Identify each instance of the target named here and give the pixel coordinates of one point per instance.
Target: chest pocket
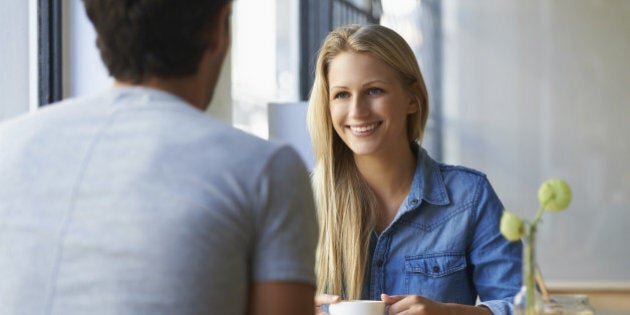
(435, 265)
(440, 276)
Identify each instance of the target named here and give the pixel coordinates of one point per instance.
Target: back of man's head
(144, 38)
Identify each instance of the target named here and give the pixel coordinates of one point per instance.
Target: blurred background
(523, 90)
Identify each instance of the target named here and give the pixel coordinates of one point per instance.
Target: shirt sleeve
(286, 225)
(498, 307)
(497, 261)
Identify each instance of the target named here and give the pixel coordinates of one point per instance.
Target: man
(136, 202)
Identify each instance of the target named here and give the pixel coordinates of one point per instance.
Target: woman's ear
(414, 101)
(413, 105)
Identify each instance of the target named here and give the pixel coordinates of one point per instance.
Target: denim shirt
(445, 243)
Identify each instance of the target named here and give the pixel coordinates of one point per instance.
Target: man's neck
(191, 89)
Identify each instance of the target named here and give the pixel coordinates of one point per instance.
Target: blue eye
(342, 95)
(374, 91)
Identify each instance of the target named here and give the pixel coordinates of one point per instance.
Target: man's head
(140, 39)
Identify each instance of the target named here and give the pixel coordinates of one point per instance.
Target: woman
(395, 224)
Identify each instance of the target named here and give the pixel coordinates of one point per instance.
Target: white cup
(357, 307)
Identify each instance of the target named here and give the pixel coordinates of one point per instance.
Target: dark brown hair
(142, 38)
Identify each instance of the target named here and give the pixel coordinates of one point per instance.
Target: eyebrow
(363, 85)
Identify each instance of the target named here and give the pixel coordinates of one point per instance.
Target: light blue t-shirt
(134, 202)
(445, 243)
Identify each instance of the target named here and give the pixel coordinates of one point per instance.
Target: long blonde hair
(346, 205)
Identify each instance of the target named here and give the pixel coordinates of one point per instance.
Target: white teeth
(364, 128)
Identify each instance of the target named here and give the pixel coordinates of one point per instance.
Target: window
(318, 18)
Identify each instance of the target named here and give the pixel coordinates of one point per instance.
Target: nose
(359, 107)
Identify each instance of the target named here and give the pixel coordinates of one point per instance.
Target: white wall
(14, 58)
(84, 72)
(539, 89)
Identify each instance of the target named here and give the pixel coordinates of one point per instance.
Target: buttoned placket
(377, 274)
(380, 253)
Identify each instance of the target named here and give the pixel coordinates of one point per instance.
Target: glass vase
(528, 300)
(569, 304)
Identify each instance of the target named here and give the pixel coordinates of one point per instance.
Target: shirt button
(414, 201)
(436, 269)
(379, 263)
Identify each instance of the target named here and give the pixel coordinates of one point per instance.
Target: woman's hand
(322, 299)
(412, 305)
(418, 305)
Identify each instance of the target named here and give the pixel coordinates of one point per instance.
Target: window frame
(49, 51)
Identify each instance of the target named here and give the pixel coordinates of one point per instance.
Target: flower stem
(537, 217)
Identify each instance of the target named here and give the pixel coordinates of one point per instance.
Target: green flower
(554, 195)
(511, 226)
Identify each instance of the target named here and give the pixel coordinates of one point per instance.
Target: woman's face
(368, 105)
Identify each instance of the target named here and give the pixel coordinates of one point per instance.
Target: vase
(528, 300)
(569, 304)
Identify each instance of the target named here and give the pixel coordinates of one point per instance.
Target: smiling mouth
(365, 128)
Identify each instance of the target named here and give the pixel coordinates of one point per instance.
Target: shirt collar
(147, 94)
(428, 183)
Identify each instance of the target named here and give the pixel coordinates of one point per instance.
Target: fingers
(406, 304)
(321, 299)
(391, 299)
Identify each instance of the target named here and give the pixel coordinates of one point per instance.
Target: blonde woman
(395, 224)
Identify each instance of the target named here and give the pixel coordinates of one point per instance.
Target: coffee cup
(357, 307)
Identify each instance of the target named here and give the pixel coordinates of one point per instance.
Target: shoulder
(465, 184)
(436, 173)
(248, 156)
(248, 148)
(43, 122)
(461, 173)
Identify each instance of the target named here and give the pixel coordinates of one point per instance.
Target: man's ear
(224, 17)
(219, 33)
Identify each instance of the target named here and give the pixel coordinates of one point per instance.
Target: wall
(14, 58)
(84, 72)
(539, 89)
